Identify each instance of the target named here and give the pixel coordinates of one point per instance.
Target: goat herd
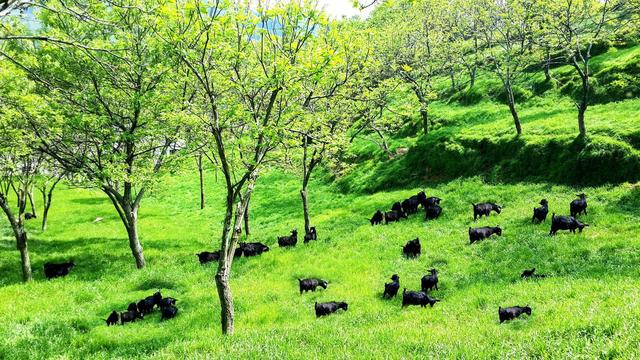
(412, 249)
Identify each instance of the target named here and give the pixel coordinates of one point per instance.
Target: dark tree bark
(31, 202)
(17, 225)
(201, 177)
(583, 103)
(512, 107)
(47, 198)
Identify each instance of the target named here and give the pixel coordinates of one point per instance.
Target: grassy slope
(480, 138)
(589, 308)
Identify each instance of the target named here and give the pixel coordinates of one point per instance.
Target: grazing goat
(484, 209)
(565, 223)
(147, 304)
(391, 289)
(377, 218)
(432, 212)
(168, 312)
(168, 301)
(291, 240)
(540, 214)
(206, 256)
(430, 281)
(113, 318)
(253, 249)
(130, 315)
(410, 206)
(52, 270)
(397, 206)
(526, 274)
(412, 248)
(327, 308)
(431, 201)
(311, 284)
(422, 198)
(482, 233)
(29, 216)
(393, 216)
(579, 206)
(511, 313)
(417, 298)
(311, 235)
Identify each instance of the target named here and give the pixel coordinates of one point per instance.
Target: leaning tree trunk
(31, 202)
(247, 228)
(17, 225)
(512, 107)
(229, 243)
(134, 241)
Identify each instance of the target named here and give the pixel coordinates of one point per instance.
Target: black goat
(484, 209)
(540, 214)
(410, 206)
(579, 206)
(253, 249)
(397, 206)
(130, 315)
(52, 270)
(511, 313)
(147, 304)
(168, 312)
(29, 216)
(430, 281)
(482, 233)
(412, 248)
(311, 235)
(417, 298)
(206, 256)
(565, 223)
(526, 274)
(431, 201)
(311, 284)
(327, 308)
(432, 212)
(168, 301)
(377, 218)
(393, 216)
(291, 240)
(113, 318)
(391, 289)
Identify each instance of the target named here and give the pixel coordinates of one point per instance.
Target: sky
(339, 8)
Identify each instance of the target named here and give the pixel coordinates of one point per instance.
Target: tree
(18, 163)
(507, 29)
(245, 61)
(46, 182)
(322, 127)
(410, 47)
(107, 78)
(7, 6)
(575, 26)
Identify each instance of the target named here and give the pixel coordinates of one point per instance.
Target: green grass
(589, 308)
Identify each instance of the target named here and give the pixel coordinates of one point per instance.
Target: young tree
(107, 78)
(18, 163)
(46, 182)
(507, 30)
(245, 60)
(575, 26)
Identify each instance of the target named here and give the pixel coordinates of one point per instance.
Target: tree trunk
(424, 114)
(134, 242)
(200, 173)
(582, 106)
(247, 229)
(21, 240)
(17, 225)
(514, 112)
(305, 208)
(45, 216)
(31, 202)
(472, 77)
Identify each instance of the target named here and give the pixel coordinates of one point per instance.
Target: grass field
(589, 308)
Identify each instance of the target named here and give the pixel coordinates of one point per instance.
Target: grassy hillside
(473, 132)
(588, 308)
